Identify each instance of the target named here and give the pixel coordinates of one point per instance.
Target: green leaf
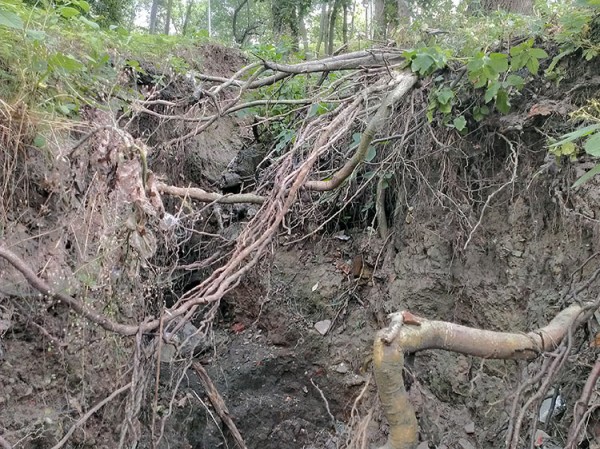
(371, 153)
(533, 65)
(460, 123)
(574, 135)
(422, 63)
(39, 141)
(444, 95)
(518, 62)
(36, 35)
(479, 113)
(538, 53)
(409, 54)
(590, 54)
(491, 91)
(499, 62)
(63, 109)
(65, 63)
(592, 145)
(85, 6)
(10, 19)
(517, 50)
(67, 12)
(446, 108)
(480, 81)
(585, 178)
(476, 63)
(515, 81)
(502, 102)
(89, 22)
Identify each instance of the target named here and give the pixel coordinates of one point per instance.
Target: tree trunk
(332, 19)
(236, 12)
(322, 27)
(369, 19)
(403, 12)
(352, 11)
(516, 6)
(153, 16)
(168, 20)
(379, 22)
(293, 15)
(345, 23)
(188, 14)
(132, 14)
(304, 36)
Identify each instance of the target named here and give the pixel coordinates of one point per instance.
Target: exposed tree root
(408, 333)
(89, 413)
(219, 404)
(581, 412)
(210, 197)
(404, 82)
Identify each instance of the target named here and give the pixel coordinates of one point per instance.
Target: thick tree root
(408, 333)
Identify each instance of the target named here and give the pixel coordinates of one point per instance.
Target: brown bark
(581, 406)
(304, 37)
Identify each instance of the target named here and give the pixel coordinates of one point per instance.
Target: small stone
(342, 368)
(323, 326)
(423, 445)
(464, 444)
(470, 428)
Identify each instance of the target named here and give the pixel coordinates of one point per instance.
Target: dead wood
(349, 61)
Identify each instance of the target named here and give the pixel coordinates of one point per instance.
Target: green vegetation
(59, 56)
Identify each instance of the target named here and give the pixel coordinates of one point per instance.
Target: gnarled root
(388, 363)
(408, 333)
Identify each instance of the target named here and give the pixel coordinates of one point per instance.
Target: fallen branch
(219, 404)
(408, 334)
(341, 62)
(210, 197)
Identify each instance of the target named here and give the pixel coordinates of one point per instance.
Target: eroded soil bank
(290, 351)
